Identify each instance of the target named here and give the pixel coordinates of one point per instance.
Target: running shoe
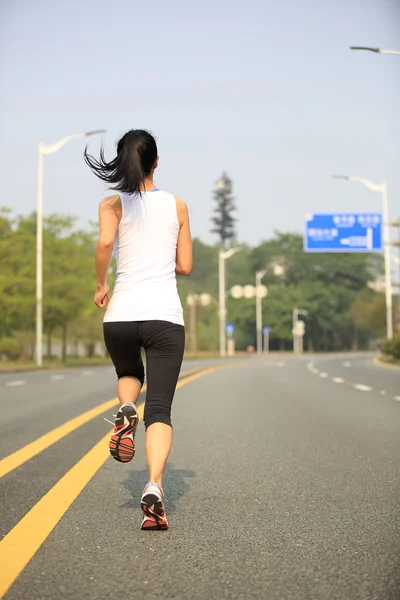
(122, 443)
(153, 508)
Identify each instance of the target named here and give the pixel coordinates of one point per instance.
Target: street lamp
(223, 256)
(376, 50)
(381, 187)
(42, 150)
(259, 276)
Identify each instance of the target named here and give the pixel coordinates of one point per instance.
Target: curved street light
(42, 151)
(376, 50)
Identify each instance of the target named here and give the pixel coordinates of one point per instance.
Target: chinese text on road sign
(343, 232)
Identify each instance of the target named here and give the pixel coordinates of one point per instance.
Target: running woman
(149, 231)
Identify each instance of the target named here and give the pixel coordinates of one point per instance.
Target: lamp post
(223, 256)
(43, 150)
(381, 187)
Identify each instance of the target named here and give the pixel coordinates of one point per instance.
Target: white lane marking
(346, 364)
(316, 371)
(281, 363)
(86, 373)
(337, 380)
(363, 388)
(383, 392)
(57, 377)
(397, 398)
(310, 366)
(324, 375)
(16, 382)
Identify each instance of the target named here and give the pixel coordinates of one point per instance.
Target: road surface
(283, 483)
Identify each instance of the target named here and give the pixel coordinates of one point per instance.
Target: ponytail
(135, 160)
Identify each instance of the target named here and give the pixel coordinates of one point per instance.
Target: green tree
(68, 275)
(17, 275)
(369, 312)
(87, 328)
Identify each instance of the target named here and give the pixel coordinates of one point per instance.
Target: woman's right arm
(184, 250)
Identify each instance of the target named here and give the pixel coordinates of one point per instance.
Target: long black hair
(135, 160)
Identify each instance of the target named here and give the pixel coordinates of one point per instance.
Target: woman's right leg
(123, 344)
(128, 389)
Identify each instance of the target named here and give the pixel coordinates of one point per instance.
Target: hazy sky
(267, 91)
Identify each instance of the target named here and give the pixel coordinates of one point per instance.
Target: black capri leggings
(163, 343)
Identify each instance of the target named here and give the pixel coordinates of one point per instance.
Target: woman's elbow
(105, 243)
(184, 269)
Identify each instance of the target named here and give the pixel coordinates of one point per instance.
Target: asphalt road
(283, 483)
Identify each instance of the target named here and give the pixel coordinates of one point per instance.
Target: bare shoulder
(112, 203)
(180, 204)
(182, 209)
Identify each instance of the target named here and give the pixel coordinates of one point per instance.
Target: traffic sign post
(230, 332)
(266, 331)
(298, 330)
(343, 232)
(298, 334)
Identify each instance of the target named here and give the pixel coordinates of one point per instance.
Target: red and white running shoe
(153, 508)
(122, 443)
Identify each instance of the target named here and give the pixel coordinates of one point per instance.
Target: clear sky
(266, 90)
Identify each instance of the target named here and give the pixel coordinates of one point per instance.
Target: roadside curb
(381, 363)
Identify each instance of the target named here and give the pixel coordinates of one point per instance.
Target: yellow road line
(18, 458)
(23, 541)
(12, 461)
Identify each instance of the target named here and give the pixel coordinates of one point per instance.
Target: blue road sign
(230, 329)
(266, 330)
(343, 232)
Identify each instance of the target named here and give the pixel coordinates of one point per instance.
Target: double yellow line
(22, 542)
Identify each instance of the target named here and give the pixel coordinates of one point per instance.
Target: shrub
(11, 348)
(392, 347)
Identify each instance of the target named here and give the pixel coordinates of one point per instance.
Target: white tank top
(145, 253)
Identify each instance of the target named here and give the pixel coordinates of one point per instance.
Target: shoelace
(108, 421)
